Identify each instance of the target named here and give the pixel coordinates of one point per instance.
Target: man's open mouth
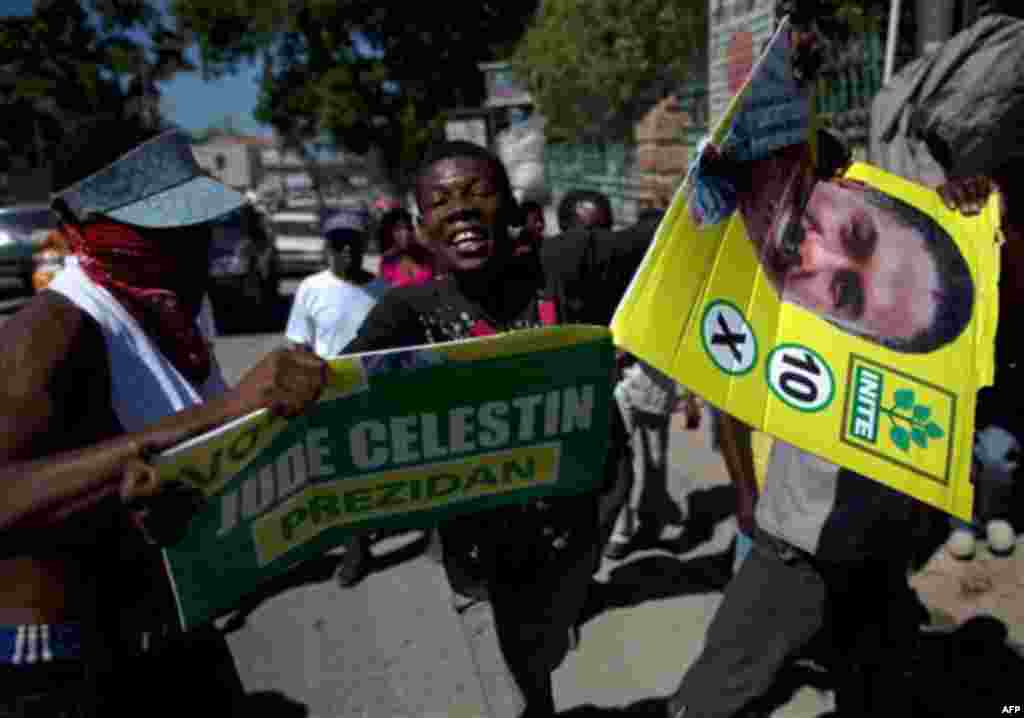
(469, 241)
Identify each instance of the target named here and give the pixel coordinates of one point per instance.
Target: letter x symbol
(729, 338)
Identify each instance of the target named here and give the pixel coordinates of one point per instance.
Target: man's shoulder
(402, 303)
(49, 319)
(50, 334)
(562, 252)
(316, 281)
(421, 294)
(643, 229)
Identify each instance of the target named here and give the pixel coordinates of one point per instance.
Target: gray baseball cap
(157, 184)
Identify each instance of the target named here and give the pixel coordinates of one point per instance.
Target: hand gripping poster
(401, 439)
(839, 308)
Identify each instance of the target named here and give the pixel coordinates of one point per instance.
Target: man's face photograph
(870, 264)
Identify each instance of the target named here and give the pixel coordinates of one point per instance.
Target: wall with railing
(850, 85)
(621, 170)
(624, 170)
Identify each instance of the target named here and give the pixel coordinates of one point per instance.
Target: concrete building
(340, 173)
(235, 160)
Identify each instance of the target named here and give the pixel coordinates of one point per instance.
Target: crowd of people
(112, 363)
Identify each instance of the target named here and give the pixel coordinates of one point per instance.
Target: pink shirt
(390, 270)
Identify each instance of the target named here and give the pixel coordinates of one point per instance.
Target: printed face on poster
(835, 306)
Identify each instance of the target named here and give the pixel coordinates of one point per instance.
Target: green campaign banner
(401, 439)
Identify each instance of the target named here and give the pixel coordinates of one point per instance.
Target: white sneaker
(1001, 537)
(961, 544)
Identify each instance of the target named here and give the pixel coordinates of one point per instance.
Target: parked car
(23, 228)
(243, 259)
(299, 244)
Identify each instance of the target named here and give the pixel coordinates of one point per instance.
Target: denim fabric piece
(158, 184)
(712, 197)
(31, 644)
(776, 112)
(200, 200)
(743, 545)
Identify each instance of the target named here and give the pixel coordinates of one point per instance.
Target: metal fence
(611, 168)
(851, 86)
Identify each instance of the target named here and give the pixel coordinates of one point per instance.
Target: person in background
(585, 208)
(328, 310)
(532, 233)
(745, 484)
(404, 260)
(330, 305)
(647, 399)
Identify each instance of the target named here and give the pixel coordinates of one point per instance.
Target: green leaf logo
(900, 437)
(904, 398)
(912, 423)
(919, 437)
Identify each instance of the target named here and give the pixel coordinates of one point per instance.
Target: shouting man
(532, 562)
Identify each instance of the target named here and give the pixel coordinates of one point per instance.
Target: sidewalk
(393, 646)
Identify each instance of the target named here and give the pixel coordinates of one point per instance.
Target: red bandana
(150, 280)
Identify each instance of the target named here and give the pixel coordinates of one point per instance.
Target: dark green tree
(365, 74)
(593, 67)
(74, 59)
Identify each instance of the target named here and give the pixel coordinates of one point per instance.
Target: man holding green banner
(535, 560)
(102, 370)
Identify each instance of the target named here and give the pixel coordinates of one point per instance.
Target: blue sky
(194, 104)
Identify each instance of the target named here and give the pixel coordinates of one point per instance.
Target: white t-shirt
(327, 313)
(645, 388)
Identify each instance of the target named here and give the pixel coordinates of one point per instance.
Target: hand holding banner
(402, 439)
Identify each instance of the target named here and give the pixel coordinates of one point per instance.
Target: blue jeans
(743, 545)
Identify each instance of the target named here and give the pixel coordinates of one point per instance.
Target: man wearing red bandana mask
(99, 372)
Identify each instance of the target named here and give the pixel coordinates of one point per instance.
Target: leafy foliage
(919, 429)
(368, 74)
(75, 59)
(592, 66)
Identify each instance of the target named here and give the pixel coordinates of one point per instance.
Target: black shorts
(57, 689)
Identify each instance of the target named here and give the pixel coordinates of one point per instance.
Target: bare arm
(41, 485)
(739, 461)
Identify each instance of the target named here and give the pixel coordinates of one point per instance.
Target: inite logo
(899, 418)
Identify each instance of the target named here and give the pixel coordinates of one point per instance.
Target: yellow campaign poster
(843, 309)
